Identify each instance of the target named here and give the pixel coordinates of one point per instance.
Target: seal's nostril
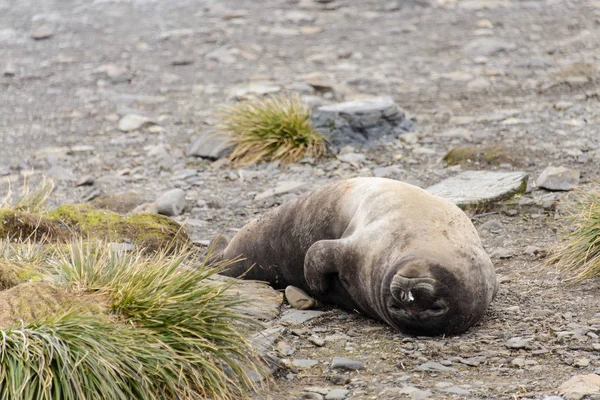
(407, 296)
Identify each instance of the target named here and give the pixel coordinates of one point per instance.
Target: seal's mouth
(415, 299)
(402, 288)
(416, 304)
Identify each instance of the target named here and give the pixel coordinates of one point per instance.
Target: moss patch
(480, 156)
(88, 220)
(151, 231)
(23, 225)
(154, 231)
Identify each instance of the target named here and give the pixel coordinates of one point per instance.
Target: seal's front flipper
(216, 249)
(324, 259)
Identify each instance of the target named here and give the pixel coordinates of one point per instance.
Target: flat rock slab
(261, 301)
(382, 106)
(362, 121)
(436, 367)
(480, 187)
(281, 188)
(265, 340)
(300, 316)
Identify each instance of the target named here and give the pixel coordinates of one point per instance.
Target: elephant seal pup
(387, 249)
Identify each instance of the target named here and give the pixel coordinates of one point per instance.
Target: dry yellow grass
(30, 200)
(270, 129)
(578, 255)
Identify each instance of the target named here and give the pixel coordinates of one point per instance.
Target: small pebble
(43, 32)
(337, 394)
(344, 363)
(518, 343)
(298, 298)
(433, 366)
(304, 363)
(311, 396)
(316, 341)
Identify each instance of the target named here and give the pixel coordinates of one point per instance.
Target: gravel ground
(522, 74)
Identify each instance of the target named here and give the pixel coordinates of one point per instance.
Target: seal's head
(421, 296)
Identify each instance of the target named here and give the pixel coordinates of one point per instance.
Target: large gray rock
(363, 121)
(171, 203)
(480, 187)
(558, 178)
(211, 145)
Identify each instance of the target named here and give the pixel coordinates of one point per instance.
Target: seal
(387, 249)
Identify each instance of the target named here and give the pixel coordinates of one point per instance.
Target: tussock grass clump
(578, 254)
(161, 329)
(32, 201)
(269, 129)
